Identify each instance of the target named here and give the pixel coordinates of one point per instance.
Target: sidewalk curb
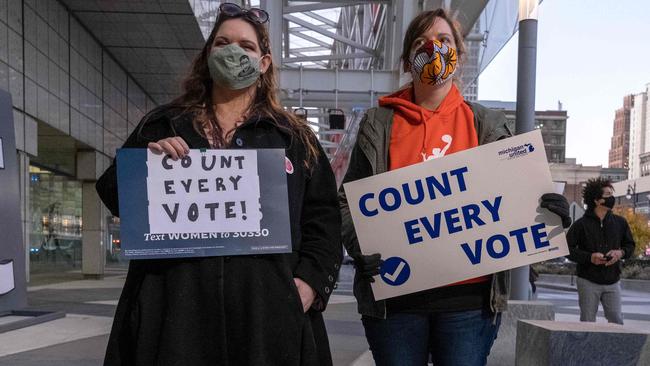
(555, 286)
(547, 280)
(35, 318)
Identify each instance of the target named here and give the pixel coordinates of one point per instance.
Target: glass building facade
(69, 96)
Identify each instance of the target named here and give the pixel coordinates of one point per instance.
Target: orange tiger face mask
(433, 63)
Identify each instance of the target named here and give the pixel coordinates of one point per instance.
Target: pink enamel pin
(288, 166)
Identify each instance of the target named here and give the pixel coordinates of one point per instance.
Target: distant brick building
(575, 175)
(619, 151)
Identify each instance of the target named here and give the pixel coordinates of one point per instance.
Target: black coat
(238, 310)
(590, 235)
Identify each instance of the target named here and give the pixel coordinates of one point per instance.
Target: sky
(590, 54)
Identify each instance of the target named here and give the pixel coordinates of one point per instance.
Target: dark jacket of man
(590, 235)
(239, 310)
(370, 157)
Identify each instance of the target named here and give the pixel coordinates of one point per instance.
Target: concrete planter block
(503, 351)
(550, 343)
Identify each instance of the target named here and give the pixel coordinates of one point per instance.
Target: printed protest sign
(209, 203)
(466, 215)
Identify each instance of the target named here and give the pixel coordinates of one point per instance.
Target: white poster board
(7, 281)
(466, 215)
(211, 191)
(2, 156)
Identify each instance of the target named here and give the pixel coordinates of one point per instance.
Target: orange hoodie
(419, 134)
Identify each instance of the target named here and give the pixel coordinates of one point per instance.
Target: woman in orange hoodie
(428, 119)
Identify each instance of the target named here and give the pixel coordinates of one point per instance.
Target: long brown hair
(420, 25)
(197, 98)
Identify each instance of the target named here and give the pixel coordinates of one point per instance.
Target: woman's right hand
(175, 147)
(368, 266)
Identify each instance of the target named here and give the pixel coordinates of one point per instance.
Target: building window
(555, 156)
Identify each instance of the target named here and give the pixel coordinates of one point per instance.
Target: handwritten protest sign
(210, 202)
(217, 191)
(469, 214)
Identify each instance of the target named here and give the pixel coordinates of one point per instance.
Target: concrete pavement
(80, 338)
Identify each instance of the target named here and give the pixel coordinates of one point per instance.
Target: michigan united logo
(516, 151)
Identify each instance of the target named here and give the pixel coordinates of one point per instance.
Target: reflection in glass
(56, 221)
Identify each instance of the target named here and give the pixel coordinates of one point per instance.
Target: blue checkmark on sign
(395, 271)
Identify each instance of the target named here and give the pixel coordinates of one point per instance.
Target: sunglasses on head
(254, 14)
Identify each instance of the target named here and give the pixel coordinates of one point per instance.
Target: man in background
(597, 242)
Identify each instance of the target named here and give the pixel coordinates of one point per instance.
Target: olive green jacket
(370, 157)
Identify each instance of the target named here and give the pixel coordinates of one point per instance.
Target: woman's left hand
(557, 204)
(307, 294)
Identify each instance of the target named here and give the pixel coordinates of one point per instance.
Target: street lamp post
(631, 191)
(525, 114)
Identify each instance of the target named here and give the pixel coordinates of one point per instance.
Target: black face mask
(609, 202)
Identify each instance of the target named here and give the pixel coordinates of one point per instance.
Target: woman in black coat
(239, 310)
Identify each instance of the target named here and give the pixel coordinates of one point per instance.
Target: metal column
(525, 122)
(93, 254)
(527, 60)
(25, 209)
(276, 27)
(404, 12)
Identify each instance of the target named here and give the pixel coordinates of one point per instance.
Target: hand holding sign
(559, 205)
(368, 265)
(175, 147)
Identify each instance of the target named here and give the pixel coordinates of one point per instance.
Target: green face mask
(232, 67)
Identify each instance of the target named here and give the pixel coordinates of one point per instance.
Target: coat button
(327, 290)
(336, 266)
(330, 278)
(239, 141)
